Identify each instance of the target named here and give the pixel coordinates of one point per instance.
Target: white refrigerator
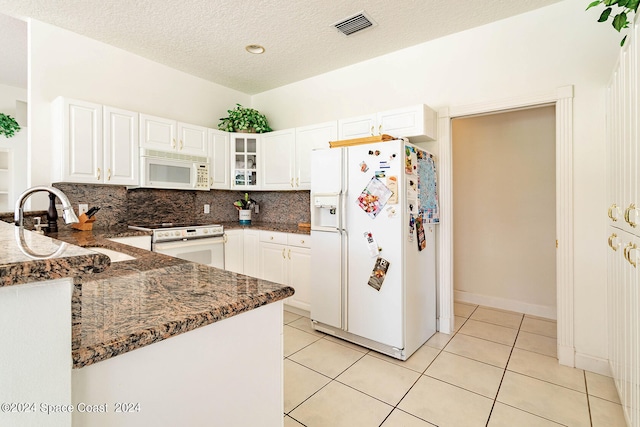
(373, 213)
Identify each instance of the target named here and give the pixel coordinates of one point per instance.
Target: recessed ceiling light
(255, 48)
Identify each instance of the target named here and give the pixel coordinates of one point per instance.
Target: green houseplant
(8, 125)
(620, 18)
(244, 119)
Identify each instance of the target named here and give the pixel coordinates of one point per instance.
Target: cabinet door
(121, 152)
(277, 156)
(157, 133)
(417, 122)
(273, 264)
(358, 127)
(252, 253)
(82, 141)
(234, 251)
(219, 149)
(299, 276)
(309, 138)
(193, 140)
(244, 161)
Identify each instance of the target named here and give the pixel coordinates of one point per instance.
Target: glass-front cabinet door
(245, 160)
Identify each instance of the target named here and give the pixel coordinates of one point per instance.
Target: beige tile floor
(498, 368)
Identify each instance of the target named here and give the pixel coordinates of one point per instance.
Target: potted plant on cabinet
(244, 119)
(8, 125)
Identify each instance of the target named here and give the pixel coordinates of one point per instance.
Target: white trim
(563, 99)
(546, 311)
(593, 364)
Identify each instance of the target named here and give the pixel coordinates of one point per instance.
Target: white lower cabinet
(251, 241)
(286, 258)
(234, 251)
(277, 257)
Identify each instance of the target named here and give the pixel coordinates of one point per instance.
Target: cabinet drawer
(300, 240)
(273, 237)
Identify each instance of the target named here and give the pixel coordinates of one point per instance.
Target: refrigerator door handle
(344, 241)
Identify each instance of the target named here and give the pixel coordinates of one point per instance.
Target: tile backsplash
(121, 206)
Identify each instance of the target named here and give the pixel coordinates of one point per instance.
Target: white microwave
(160, 169)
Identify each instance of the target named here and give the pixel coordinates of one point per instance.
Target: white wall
(16, 145)
(74, 66)
(504, 198)
(535, 52)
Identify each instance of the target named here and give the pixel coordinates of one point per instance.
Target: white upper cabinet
(99, 143)
(158, 133)
(277, 160)
(219, 164)
(286, 155)
(193, 139)
(120, 147)
(358, 127)
(244, 161)
(417, 123)
(308, 138)
(77, 129)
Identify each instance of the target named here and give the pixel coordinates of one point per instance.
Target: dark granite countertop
(135, 303)
(31, 257)
(267, 226)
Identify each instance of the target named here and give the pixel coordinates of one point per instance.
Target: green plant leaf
(623, 3)
(623, 40)
(593, 3)
(633, 5)
(605, 15)
(620, 21)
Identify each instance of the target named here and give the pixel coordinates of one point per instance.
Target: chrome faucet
(67, 210)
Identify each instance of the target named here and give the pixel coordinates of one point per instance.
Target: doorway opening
(504, 210)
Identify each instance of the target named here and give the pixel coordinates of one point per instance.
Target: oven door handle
(189, 243)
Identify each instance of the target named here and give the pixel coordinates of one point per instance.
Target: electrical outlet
(82, 208)
(207, 208)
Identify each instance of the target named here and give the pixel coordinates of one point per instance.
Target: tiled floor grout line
(504, 372)
(586, 389)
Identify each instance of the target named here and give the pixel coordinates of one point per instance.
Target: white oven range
(201, 243)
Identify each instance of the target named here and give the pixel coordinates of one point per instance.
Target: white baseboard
(548, 312)
(296, 310)
(593, 364)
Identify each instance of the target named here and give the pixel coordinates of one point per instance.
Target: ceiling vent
(354, 23)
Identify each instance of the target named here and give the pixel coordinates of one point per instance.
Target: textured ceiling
(207, 38)
(13, 52)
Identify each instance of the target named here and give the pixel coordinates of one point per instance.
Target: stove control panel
(185, 233)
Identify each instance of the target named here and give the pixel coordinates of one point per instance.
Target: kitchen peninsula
(221, 366)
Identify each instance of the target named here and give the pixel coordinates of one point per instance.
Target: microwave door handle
(194, 176)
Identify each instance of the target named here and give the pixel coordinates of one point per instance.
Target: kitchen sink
(115, 256)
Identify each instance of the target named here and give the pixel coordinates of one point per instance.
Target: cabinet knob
(181, 144)
(371, 130)
(173, 143)
(109, 174)
(99, 174)
(627, 215)
(380, 130)
(610, 212)
(611, 238)
(283, 256)
(289, 253)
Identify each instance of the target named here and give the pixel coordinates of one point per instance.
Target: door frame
(562, 98)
